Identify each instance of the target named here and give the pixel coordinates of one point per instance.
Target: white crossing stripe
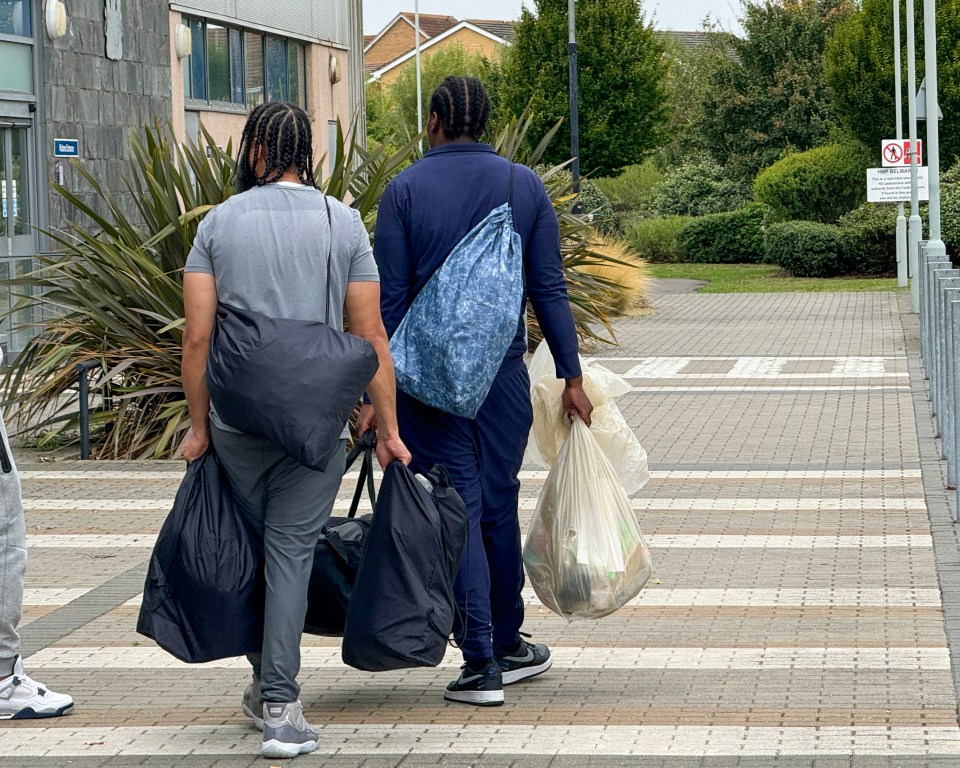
(663, 597)
(530, 502)
(151, 657)
(757, 367)
(457, 738)
(779, 376)
(655, 541)
(859, 366)
(658, 367)
(55, 596)
(721, 358)
(783, 390)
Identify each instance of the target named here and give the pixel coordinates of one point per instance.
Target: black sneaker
(482, 686)
(526, 660)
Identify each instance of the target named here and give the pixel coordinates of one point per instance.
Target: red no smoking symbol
(893, 153)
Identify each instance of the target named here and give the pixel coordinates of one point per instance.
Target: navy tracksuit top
(429, 207)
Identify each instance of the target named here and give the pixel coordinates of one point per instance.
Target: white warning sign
(892, 185)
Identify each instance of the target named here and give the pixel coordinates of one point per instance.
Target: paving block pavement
(806, 613)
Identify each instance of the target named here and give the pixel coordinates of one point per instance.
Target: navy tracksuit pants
(483, 457)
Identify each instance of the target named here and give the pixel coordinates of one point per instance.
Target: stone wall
(100, 101)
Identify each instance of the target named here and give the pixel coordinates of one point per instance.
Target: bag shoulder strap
(326, 203)
(510, 186)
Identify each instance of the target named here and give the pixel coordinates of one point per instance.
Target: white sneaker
(22, 698)
(285, 732)
(252, 705)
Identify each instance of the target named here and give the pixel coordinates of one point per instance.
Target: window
(234, 66)
(15, 18)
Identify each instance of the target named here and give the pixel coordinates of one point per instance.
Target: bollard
(928, 332)
(955, 333)
(84, 395)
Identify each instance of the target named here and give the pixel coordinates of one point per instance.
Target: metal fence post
(951, 297)
(928, 332)
(83, 388)
(936, 339)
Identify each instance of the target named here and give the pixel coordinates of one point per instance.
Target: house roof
(430, 24)
(378, 70)
(502, 29)
(688, 39)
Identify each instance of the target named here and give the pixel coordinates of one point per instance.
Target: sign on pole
(892, 185)
(897, 152)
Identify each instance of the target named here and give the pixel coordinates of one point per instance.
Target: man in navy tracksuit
(424, 213)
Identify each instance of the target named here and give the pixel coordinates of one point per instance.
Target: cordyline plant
(113, 298)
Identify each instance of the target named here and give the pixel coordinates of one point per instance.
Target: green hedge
(734, 237)
(699, 187)
(656, 240)
(633, 189)
(868, 239)
(820, 184)
(806, 248)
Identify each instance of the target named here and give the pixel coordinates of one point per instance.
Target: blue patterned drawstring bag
(450, 344)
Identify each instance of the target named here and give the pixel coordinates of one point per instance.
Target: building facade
(78, 76)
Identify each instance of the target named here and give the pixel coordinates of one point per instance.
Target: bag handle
(363, 447)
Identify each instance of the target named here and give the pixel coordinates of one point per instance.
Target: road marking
(655, 541)
(724, 390)
(457, 738)
(564, 657)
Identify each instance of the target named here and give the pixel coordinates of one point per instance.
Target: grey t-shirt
(267, 250)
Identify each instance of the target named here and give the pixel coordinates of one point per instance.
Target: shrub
(656, 239)
(949, 208)
(868, 239)
(626, 271)
(805, 248)
(733, 237)
(633, 189)
(820, 184)
(593, 202)
(699, 187)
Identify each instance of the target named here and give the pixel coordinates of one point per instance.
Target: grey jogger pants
(13, 554)
(288, 504)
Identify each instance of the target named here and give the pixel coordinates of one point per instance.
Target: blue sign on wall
(66, 148)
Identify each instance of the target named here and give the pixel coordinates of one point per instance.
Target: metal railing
(939, 288)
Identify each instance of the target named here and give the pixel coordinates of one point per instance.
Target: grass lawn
(765, 278)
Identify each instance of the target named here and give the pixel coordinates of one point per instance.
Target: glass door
(17, 234)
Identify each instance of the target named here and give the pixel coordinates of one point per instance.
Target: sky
(685, 15)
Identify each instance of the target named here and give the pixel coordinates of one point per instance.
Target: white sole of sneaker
(525, 673)
(477, 698)
(278, 749)
(30, 714)
(257, 721)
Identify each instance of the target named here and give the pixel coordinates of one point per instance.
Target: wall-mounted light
(334, 67)
(183, 41)
(55, 18)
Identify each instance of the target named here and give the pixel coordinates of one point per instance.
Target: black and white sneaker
(524, 661)
(481, 686)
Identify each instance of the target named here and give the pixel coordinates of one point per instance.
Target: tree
(622, 98)
(858, 65)
(392, 109)
(771, 97)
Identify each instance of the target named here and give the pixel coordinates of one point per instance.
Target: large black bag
(293, 382)
(203, 597)
(402, 608)
(336, 557)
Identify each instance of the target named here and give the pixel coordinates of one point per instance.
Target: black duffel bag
(401, 608)
(336, 557)
(203, 596)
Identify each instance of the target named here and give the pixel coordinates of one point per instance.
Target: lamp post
(416, 47)
(574, 117)
(914, 232)
(898, 101)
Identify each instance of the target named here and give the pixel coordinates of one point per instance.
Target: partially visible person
(21, 697)
(425, 211)
(265, 250)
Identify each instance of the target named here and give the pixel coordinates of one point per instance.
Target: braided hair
(283, 131)
(463, 107)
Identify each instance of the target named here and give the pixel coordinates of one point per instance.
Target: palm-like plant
(113, 296)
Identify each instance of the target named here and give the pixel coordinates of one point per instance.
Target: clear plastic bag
(609, 427)
(584, 553)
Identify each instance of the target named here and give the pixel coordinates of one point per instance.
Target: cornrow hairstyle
(283, 131)
(463, 107)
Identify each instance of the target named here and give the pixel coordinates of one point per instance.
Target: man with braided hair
(266, 250)
(424, 213)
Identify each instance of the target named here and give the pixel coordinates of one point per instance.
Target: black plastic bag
(402, 608)
(203, 597)
(336, 557)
